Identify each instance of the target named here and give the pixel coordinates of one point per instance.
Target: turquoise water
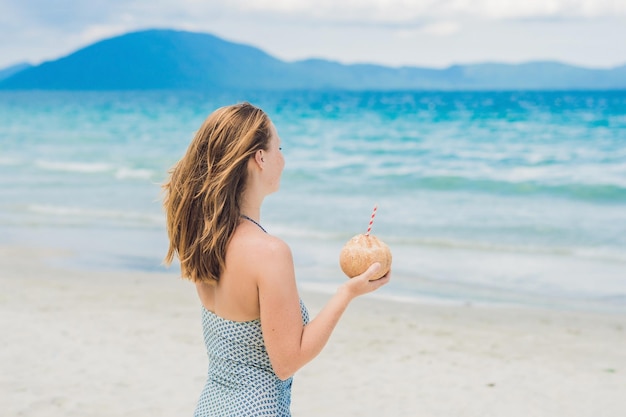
(483, 197)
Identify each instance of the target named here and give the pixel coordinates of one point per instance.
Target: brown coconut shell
(362, 251)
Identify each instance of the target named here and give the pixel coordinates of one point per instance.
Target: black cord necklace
(248, 218)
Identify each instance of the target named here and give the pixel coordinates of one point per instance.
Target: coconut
(362, 251)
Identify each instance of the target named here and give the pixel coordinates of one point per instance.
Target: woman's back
(235, 296)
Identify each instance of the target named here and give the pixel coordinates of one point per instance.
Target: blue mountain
(13, 69)
(169, 59)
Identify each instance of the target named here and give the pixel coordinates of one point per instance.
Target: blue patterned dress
(241, 381)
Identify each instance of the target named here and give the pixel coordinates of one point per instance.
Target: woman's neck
(251, 206)
(252, 195)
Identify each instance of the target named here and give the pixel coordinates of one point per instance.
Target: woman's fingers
(367, 282)
(371, 272)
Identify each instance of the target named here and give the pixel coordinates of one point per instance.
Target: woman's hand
(361, 284)
(289, 343)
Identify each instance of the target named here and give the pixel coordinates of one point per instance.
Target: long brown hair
(203, 193)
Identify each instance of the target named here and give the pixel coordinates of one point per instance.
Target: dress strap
(248, 218)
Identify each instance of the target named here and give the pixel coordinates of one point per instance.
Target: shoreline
(100, 343)
(406, 287)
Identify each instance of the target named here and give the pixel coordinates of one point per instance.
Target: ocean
(483, 197)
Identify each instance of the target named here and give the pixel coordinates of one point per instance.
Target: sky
(426, 33)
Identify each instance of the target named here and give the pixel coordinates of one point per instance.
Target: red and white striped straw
(369, 228)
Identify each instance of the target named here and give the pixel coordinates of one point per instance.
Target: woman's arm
(290, 345)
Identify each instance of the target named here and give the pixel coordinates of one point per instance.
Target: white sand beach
(115, 343)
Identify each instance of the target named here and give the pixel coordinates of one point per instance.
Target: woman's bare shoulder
(258, 245)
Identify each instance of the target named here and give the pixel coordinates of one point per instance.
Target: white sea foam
(601, 254)
(301, 232)
(128, 173)
(88, 213)
(80, 167)
(9, 161)
(120, 173)
(605, 254)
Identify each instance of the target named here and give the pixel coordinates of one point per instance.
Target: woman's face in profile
(274, 160)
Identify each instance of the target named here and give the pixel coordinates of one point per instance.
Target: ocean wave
(128, 173)
(603, 193)
(9, 161)
(120, 173)
(79, 167)
(303, 232)
(308, 234)
(88, 213)
(602, 254)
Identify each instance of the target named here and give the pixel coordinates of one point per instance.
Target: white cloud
(540, 9)
(385, 31)
(392, 13)
(436, 29)
(406, 11)
(98, 32)
(446, 28)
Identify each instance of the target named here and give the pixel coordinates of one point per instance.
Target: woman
(257, 331)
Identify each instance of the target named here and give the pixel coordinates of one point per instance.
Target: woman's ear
(259, 159)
